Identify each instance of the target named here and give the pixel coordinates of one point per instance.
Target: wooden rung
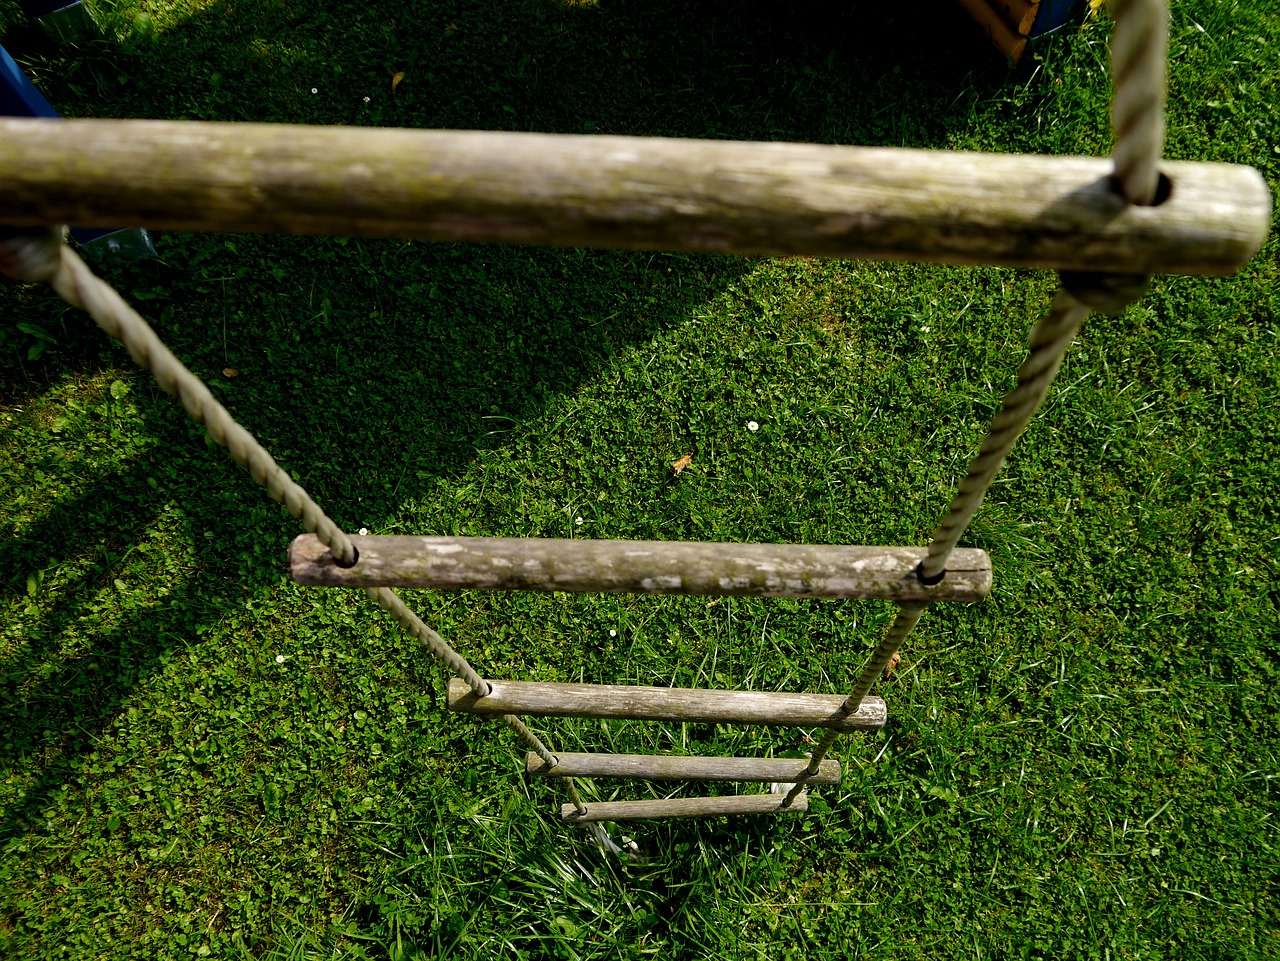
(666, 704)
(666, 767)
(641, 567)
(648, 193)
(689, 807)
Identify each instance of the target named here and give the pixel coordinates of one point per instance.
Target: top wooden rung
(647, 193)
(640, 567)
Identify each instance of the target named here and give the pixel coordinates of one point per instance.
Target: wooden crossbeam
(666, 704)
(647, 193)
(641, 567)
(667, 767)
(692, 807)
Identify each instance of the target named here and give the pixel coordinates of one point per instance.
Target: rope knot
(1103, 292)
(31, 256)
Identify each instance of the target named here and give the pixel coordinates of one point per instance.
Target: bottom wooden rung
(687, 807)
(667, 767)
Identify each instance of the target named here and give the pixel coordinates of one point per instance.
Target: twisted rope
(905, 621)
(390, 602)
(45, 257)
(1047, 345)
(1139, 42)
(1138, 50)
(1048, 342)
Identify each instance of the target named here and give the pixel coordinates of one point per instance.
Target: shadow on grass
(54, 706)
(856, 72)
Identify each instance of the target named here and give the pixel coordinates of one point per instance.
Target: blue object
(1053, 15)
(20, 98)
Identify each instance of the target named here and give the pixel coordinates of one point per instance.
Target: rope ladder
(1104, 227)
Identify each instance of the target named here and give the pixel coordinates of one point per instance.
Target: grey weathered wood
(649, 193)
(641, 567)
(689, 807)
(666, 704)
(667, 767)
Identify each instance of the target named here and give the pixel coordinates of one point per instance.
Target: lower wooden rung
(689, 807)
(667, 767)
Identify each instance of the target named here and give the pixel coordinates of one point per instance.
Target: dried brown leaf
(230, 372)
(682, 463)
(395, 81)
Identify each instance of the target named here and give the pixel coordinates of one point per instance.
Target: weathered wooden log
(689, 807)
(695, 706)
(648, 193)
(1007, 40)
(640, 567)
(668, 767)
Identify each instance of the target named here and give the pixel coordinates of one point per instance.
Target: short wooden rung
(667, 767)
(666, 704)
(641, 567)
(692, 807)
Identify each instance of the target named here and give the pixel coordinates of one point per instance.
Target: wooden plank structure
(640, 567)
(1013, 26)
(1019, 15)
(645, 193)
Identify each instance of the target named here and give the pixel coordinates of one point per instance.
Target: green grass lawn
(199, 758)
